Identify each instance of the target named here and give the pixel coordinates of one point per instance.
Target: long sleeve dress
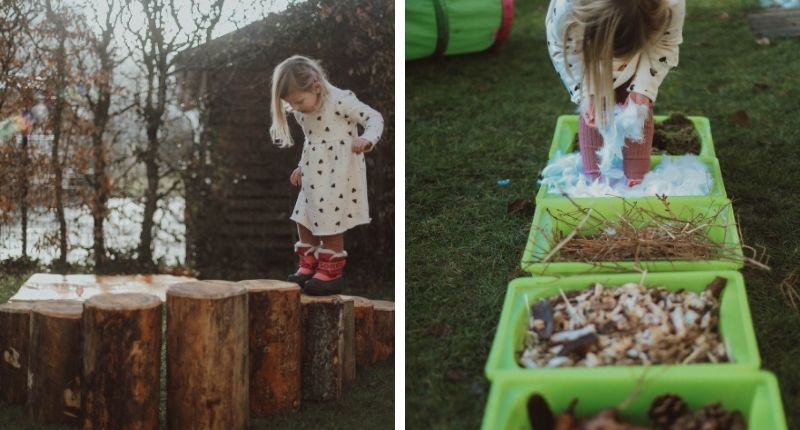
(645, 69)
(333, 194)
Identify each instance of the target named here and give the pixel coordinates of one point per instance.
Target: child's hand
(296, 178)
(639, 99)
(588, 115)
(361, 145)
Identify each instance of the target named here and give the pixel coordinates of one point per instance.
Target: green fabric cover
(469, 26)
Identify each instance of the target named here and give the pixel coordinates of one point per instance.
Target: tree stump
(363, 320)
(207, 359)
(55, 366)
(122, 361)
(15, 327)
(323, 347)
(276, 346)
(383, 329)
(349, 354)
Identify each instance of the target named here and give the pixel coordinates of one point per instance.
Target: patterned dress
(333, 194)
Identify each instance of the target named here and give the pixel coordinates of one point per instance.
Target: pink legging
(635, 155)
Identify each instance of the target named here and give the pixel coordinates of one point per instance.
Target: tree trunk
(99, 199)
(383, 329)
(54, 384)
(349, 354)
(150, 201)
(14, 337)
(23, 193)
(275, 346)
(323, 347)
(122, 361)
(363, 320)
(207, 359)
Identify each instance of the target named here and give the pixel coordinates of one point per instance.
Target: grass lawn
(368, 402)
(474, 119)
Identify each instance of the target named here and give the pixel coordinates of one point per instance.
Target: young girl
(610, 52)
(332, 175)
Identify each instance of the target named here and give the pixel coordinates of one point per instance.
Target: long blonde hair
(613, 28)
(296, 73)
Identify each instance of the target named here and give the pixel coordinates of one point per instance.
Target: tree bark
(275, 346)
(363, 320)
(383, 329)
(323, 347)
(122, 361)
(23, 193)
(207, 359)
(54, 384)
(349, 354)
(14, 346)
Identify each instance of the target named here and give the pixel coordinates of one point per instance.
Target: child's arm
(656, 62)
(569, 67)
(363, 114)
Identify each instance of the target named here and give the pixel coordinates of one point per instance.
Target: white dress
(333, 194)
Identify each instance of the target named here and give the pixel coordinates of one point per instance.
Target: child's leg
(636, 154)
(590, 141)
(334, 243)
(306, 236)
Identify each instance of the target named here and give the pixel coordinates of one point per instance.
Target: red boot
(308, 263)
(328, 279)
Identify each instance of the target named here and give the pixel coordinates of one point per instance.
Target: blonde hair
(296, 73)
(613, 28)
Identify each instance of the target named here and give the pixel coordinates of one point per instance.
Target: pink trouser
(635, 155)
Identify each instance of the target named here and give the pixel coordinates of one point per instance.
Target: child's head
(300, 82)
(614, 28)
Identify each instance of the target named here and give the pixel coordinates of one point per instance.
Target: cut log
(276, 346)
(349, 354)
(122, 361)
(15, 319)
(207, 360)
(383, 329)
(323, 347)
(363, 320)
(55, 366)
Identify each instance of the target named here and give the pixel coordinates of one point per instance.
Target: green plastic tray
(717, 187)
(540, 243)
(753, 393)
(736, 326)
(567, 128)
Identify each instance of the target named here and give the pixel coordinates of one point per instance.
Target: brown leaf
(761, 85)
(740, 117)
(525, 206)
(763, 41)
(725, 17)
(456, 375)
(440, 330)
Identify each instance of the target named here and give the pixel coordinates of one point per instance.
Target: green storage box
(717, 187)
(540, 239)
(567, 128)
(753, 393)
(736, 325)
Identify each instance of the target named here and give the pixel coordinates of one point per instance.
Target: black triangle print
(340, 196)
(321, 199)
(319, 171)
(353, 191)
(327, 129)
(330, 148)
(312, 187)
(361, 114)
(306, 163)
(319, 118)
(350, 133)
(337, 112)
(346, 116)
(320, 210)
(333, 185)
(323, 140)
(341, 142)
(336, 157)
(316, 225)
(338, 222)
(337, 209)
(355, 200)
(349, 215)
(320, 161)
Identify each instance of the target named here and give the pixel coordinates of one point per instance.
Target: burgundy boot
(308, 263)
(328, 279)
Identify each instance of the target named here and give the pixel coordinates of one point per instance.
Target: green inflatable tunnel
(444, 27)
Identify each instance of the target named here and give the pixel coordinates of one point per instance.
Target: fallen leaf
(725, 17)
(761, 85)
(740, 117)
(456, 375)
(525, 206)
(763, 41)
(440, 330)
